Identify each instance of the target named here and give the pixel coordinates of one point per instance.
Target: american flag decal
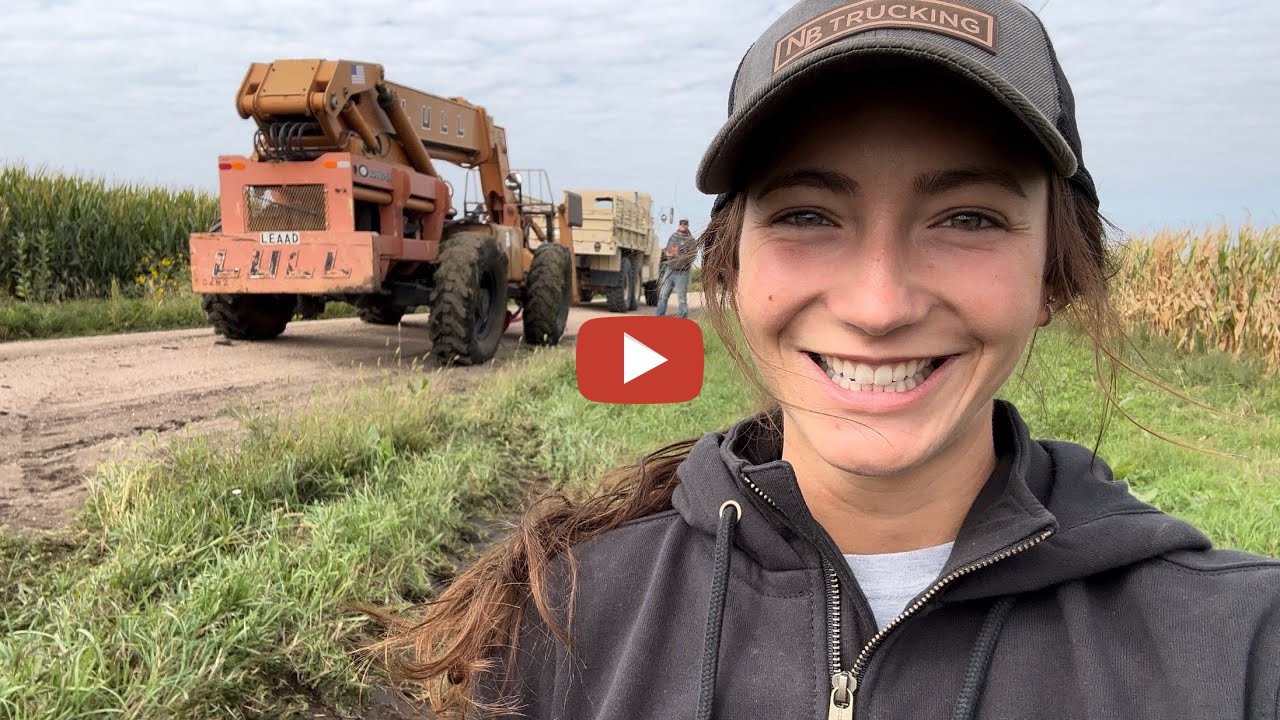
(357, 74)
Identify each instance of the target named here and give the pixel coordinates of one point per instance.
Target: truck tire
(547, 294)
(468, 301)
(633, 286)
(585, 295)
(616, 295)
(249, 317)
(376, 310)
(651, 293)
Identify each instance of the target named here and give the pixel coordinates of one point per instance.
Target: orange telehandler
(340, 200)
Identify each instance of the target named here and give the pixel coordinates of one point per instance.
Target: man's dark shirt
(684, 258)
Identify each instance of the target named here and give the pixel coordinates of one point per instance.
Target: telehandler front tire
(468, 301)
(550, 286)
(248, 316)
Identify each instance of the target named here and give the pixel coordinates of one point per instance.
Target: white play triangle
(637, 359)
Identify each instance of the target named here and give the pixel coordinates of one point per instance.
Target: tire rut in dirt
(249, 317)
(546, 309)
(469, 300)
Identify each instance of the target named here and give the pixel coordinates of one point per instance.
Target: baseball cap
(999, 46)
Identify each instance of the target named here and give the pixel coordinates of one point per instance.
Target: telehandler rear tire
(309, 307)
(376, 310)
(549, 289)
(616, 296)
(585, 296)
(468, 301)
(249, 317)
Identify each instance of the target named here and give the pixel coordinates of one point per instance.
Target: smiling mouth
(897, 377)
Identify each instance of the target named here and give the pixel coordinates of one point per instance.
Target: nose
(877, 286)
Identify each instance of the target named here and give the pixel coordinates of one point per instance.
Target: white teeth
(860, 377)
(864, 374)
(899, 372)
(847, 368)
(884, 375)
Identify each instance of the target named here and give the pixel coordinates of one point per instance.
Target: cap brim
(717, 171)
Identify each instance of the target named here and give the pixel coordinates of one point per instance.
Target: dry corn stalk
(1218, 289)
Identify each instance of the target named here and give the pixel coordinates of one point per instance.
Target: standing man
(678, 257)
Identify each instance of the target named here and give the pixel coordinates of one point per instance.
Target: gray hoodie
(1064, 597)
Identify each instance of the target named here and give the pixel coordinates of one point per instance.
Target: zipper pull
(843, 685)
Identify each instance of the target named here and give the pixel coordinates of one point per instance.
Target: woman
(902, 205)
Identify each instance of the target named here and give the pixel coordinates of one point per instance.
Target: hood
(1092, 522)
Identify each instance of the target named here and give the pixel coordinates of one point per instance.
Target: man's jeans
(678, 279)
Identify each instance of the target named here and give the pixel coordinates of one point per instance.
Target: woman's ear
(1046, 312)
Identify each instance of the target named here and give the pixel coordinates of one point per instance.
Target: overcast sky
(1179, 100)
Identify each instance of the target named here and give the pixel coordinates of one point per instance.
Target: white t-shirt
(891, 580)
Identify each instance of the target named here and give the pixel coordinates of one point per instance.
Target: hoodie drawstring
(975, 675)
(729, 514)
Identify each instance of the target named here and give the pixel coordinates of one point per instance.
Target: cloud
(1179, 105)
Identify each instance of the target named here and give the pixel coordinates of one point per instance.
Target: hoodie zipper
(844, 683)
(854, 677)
(839, 680)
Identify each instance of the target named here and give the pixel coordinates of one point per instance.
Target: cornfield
(66, 237)
(1217, 289)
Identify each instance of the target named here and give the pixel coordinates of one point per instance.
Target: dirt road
(67, 405)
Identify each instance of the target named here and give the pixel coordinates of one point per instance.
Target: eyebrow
(936, 183)
(818, 178)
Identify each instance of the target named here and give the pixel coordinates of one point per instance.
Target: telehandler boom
(341, 200)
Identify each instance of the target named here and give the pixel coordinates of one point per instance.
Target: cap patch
(958, 21)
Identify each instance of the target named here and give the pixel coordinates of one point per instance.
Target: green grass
(1227, 483)
(20, 320)
(215, 580)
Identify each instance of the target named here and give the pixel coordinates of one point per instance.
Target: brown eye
(804, 218)
(969, 221)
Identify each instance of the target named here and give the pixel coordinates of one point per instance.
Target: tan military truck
(616, 250)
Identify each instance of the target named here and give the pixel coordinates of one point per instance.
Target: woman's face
(891, 267)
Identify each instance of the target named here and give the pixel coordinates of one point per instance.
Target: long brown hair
(472, 629)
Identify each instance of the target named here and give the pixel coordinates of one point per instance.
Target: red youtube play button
(639, 360)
